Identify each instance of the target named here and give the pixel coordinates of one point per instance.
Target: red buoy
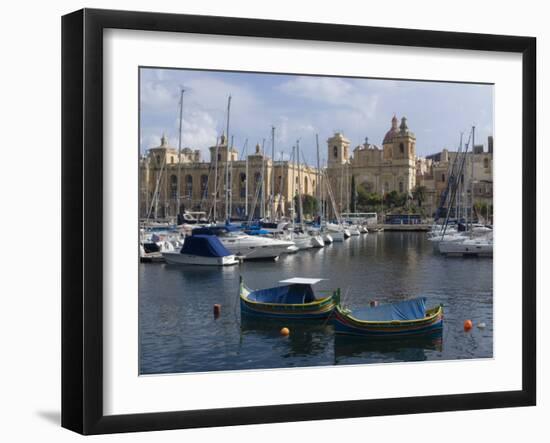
(468, 325)
(217, 310)
(285, 332)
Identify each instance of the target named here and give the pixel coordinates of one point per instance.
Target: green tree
(309, 204)
(362, 197)
(419, 194)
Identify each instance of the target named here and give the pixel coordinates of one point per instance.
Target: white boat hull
(256, 249)
(317, 241)
(354, 231)
(327, 238)
(302, 242)
(465, 248)
(176, 258)
(338, 236)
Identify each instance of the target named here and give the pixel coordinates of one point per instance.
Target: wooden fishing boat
(403, 318)
(294, 299)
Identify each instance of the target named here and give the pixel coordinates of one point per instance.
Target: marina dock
(424, 227)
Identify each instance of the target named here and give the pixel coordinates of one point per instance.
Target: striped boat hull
(320, 309)
(345, 324)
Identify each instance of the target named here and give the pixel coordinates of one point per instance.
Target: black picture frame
(82, 218)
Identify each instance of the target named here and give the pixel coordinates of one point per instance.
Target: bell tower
(338, 149)
(404, 143)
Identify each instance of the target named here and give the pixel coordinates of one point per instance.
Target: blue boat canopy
(414, 309)
(290, 295)
(204, 246)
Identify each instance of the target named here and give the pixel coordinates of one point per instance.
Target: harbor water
(179, 333)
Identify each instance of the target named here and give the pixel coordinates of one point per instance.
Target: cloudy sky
(301, 106)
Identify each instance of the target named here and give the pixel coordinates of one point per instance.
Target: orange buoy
(217, 310)
(468, 325)
(285, 332)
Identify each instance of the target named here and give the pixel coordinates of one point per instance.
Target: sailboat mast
(215, 199)
(293, 188)
(262, 183)
(231, 181)
(318, 190)
(272, 214)
(472, 181)
(178, 195)
(227, 159)
(300, 208)
(246, 180)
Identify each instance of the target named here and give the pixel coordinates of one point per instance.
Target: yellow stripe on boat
(437, 311)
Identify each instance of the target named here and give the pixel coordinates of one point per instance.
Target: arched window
(174, 186)
(188, 185)
(219, 157)
(401, 187)
(158, 159)
(485, 163)
(306, 189)
(442, 177)
(204, 185)
(335, 150)
(401, 148)
(172, 159)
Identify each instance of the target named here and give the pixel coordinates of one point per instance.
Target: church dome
(388, 138)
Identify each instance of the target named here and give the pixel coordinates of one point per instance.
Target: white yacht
(248, 247)
(480, 247)
(338, 228)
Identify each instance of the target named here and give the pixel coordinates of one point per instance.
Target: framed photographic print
(270, 221)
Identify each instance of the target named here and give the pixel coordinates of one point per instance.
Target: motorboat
(247, 247)
(204, 250)
(478, 247)
(152, 246)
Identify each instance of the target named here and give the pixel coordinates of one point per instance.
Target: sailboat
(473, 241)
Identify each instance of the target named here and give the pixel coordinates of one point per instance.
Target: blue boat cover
(413, 309)
(289, 294)
(231, 228)
(204, 246)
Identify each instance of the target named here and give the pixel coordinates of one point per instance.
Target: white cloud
(323, 89)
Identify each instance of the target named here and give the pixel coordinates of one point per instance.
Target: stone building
(391, 167)
(477, 176)
(200, 186)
